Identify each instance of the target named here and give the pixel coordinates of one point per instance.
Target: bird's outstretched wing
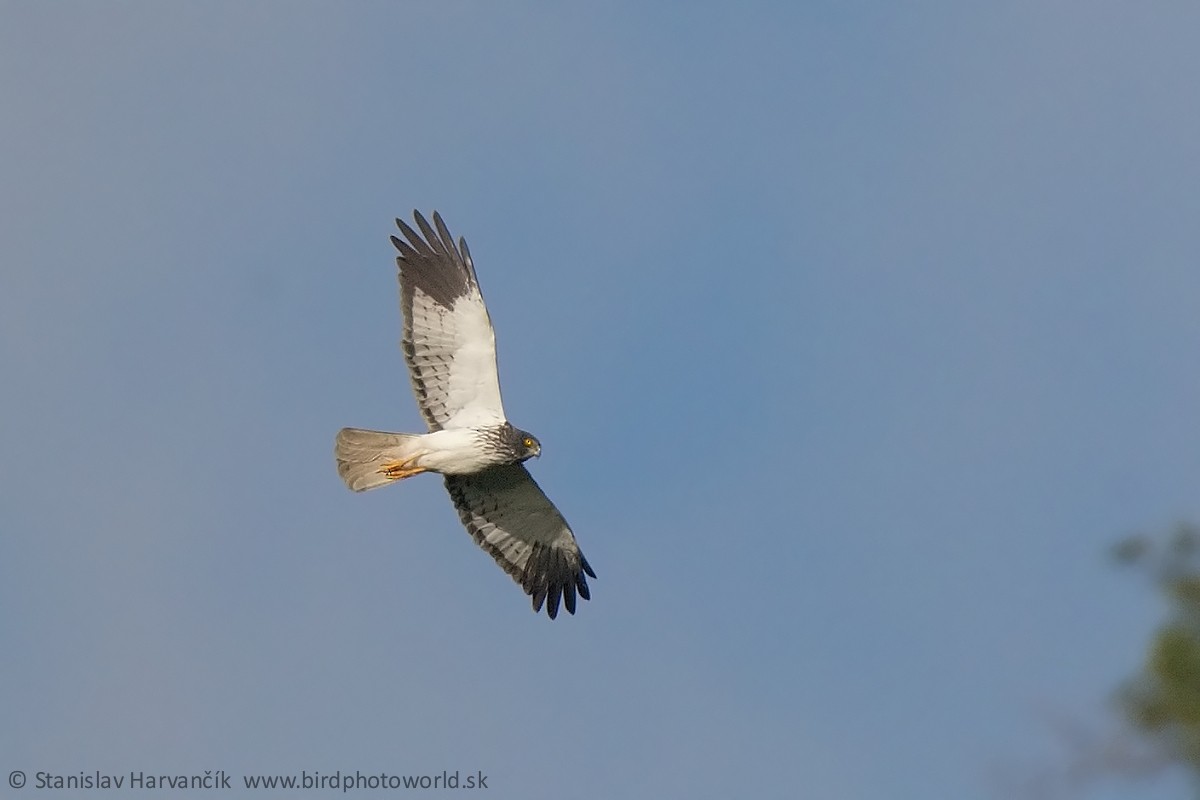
(509, 516)
(448, 340)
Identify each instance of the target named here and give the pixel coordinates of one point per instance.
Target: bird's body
(450, 349)
(364, 456)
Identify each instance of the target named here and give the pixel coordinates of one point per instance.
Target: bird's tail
(367, 459)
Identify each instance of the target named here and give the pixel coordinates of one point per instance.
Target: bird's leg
(397, 470)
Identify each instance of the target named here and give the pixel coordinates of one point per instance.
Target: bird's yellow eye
(527, 441)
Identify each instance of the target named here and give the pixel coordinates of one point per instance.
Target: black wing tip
(404, 250)
(418, 217)
(551, 592)
(436, 237)
(414, 244)
(430, 261)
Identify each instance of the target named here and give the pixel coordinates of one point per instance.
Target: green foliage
(1163, 700)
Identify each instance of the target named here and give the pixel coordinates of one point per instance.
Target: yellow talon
(397, 470)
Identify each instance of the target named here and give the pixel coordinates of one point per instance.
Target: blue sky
(854, 335)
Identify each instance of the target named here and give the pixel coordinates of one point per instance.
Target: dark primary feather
(432, 263)
(510, 517)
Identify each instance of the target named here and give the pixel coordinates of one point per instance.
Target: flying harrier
(451, 354)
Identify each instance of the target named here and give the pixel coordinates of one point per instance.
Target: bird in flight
(450, 349)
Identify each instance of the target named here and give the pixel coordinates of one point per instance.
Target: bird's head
(527, 444)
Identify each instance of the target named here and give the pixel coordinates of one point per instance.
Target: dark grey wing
(509, 516)
(448, 340)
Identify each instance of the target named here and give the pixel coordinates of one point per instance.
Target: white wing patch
(453, 353)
